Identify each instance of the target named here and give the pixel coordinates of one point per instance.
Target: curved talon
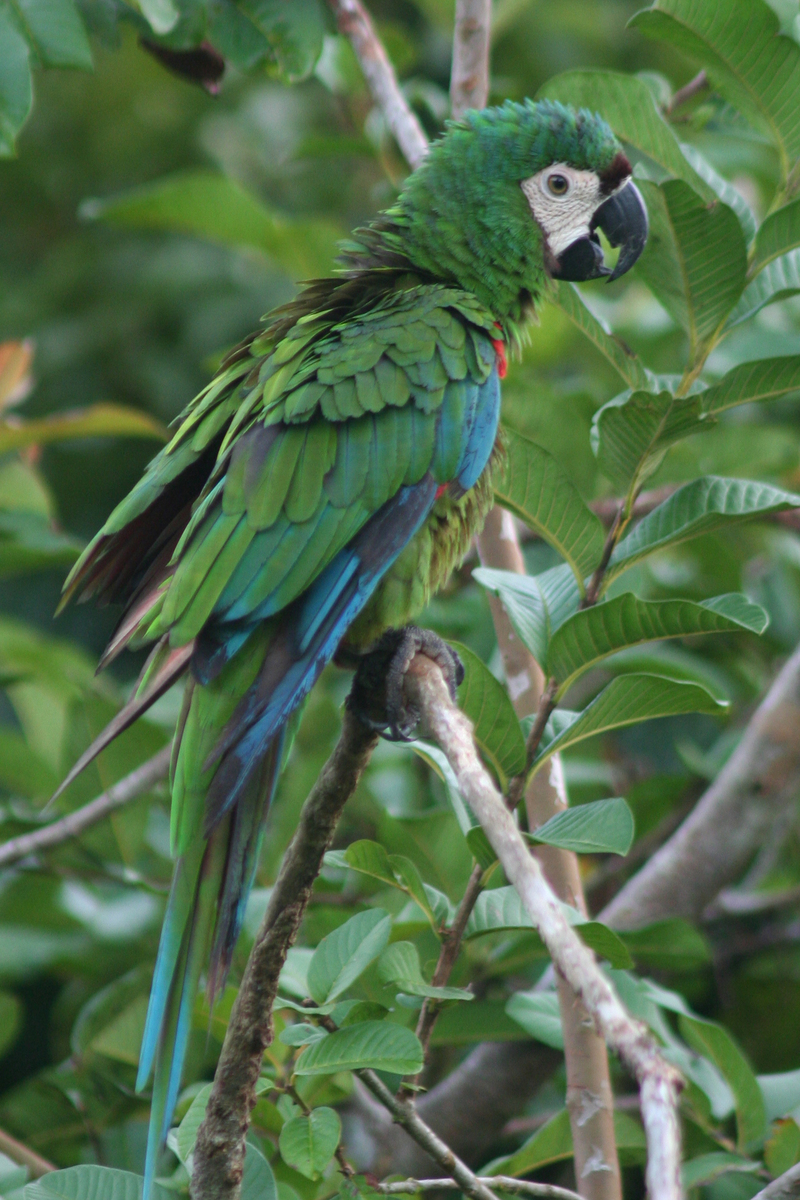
(376, 696)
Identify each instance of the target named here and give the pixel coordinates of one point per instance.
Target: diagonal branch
(135, 784)
(354, 23)
(220, 1148)
(658, 1080)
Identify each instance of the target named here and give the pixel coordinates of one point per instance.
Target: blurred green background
(140, 318)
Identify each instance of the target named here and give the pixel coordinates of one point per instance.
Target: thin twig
(405, 1114)
(687, 92)
(219, 1152)
(658, 1080)
(22, 1154)
(354, 23)
(451, 945)
(785, 1187)
(74, 823)
(612, 537)
(502, 1183)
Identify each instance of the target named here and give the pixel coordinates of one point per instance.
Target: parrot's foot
(376, 696)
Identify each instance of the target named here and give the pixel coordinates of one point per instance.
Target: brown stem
(405, 1114)
(22, 1154)
(785, 1187)
(451, 945)
(133, 785)
(688, 92)
(219, 1153)
(612, 537)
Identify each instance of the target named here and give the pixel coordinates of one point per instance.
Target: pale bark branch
(659, 1082)
(714, 843)
(469, 75)
(220, 1148)
(133, 785)
(504, 1183)
(18, 1152)
(355, 24)
(590, 1098)
(785, 1187)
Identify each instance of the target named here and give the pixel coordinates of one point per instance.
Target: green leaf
(539, 1015)
(10, 1020)
(121, 1039)
(380, 1045)
(29, 542)
(592, 634)
(695, 260)
(468, 1024)
(629, 107)
(782, 1150)
(541, 494)
(413, 884)
(599, 827)
(726, 192)
(779, 280)
(366, 857)
(258, 1181)
(779, 233)
(294, 32)
(627, 700)
(92, 1183)
(54, 31)
(710, 1039)
(99, 420)
(669, 945)
(235, 36)
(309, 1143)
(551, 1143)
(343, 955)
(708, 1167)
(301, 1034)
(747, 60)
(399, 964)
(620, 356)
(536, 605)
(16, 94)
(212, 206)
(764, 379)
(501, 908)
(700, 507)
(781, 1093)
(632, 433)
(497, 729)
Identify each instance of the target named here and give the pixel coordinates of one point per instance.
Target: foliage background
(139, 316)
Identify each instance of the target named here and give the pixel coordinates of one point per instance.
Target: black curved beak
(623, 219)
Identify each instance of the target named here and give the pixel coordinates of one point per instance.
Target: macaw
(323, 486)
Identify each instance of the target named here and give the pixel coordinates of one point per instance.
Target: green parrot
(323, 486)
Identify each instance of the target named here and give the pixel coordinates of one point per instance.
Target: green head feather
(462, 215)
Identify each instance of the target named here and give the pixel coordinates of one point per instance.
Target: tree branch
(18, 1152)
(505, 1183)
(588, 1081)
(714, 843)
(74, 823)
(354, 23)
(469, 74)
(785, 1187)
(219, 1152)
(404, 1113)
(659, 1082)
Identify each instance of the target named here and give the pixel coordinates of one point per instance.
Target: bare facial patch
(563, 202)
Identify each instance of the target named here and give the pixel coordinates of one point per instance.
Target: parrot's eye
(557, 185)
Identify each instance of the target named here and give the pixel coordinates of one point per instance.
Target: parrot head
(514, 195)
